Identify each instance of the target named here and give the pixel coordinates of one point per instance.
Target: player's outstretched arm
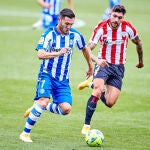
(71, 6)
(48, 55)
(100, 62)
(87, 54)
(43, 4)
(139, 49)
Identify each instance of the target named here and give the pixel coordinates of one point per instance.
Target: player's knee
(97, 92)
(66, 111)
(110, 103)
(43, 102)
(111, 99)
(66, 108)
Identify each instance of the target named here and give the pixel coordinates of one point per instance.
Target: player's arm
(100, 62)
(139, 49)
(87, 54)
(42, 54)
(43, 4)
(70, 2)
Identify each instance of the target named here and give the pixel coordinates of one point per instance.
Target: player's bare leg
(111, 95)
(108, 97)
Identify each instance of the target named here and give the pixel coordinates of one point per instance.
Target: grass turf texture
(126, 126)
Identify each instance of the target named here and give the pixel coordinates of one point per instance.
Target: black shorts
(111, 75)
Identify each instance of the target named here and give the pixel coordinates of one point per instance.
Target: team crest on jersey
(42, 91)
(41, 40)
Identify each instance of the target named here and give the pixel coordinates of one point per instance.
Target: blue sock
(33, 117)
(54, 108)
(90, 108)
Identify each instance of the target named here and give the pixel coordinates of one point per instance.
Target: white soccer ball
(94, 138)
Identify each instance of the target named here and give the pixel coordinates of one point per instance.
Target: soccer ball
(94, 138)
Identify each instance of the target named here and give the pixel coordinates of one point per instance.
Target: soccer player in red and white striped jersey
(113, 35)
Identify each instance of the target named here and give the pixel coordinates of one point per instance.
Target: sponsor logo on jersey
(41, 40)
(110, 42)
(52, 49)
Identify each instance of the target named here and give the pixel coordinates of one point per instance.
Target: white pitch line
(78, 23)
(19, 13)
(15, 28)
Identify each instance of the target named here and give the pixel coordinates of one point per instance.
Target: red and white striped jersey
(113, 41)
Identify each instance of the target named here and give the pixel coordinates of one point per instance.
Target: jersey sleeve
(44, 41)
(80, 41)
(97, 33)
(131, 31)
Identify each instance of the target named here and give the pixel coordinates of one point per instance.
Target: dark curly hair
(119, 8)
(66, 12)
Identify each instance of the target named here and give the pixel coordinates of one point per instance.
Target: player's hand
(65, 50)
(102, 62)
(48, 6)
(89, 73)
(140, 65)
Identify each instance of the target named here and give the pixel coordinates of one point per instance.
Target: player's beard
(114, 25)
(63, 29)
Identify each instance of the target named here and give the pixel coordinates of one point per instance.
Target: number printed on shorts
(96, 70)
(42, 83)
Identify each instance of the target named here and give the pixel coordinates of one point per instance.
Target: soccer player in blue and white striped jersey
(50, 13)
(107, 12)
(55, 48)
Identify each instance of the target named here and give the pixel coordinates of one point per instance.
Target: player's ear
(59, 18)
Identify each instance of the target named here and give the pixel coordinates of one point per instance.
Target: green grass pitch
(126, 126)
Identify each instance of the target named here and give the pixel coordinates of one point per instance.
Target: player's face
(115, 19)
(65, 24)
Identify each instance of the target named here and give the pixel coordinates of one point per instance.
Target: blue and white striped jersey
(112, 3)
(55, 7)
(52, 41)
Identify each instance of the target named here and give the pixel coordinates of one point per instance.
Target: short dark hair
(119, 8)
(66, 12)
